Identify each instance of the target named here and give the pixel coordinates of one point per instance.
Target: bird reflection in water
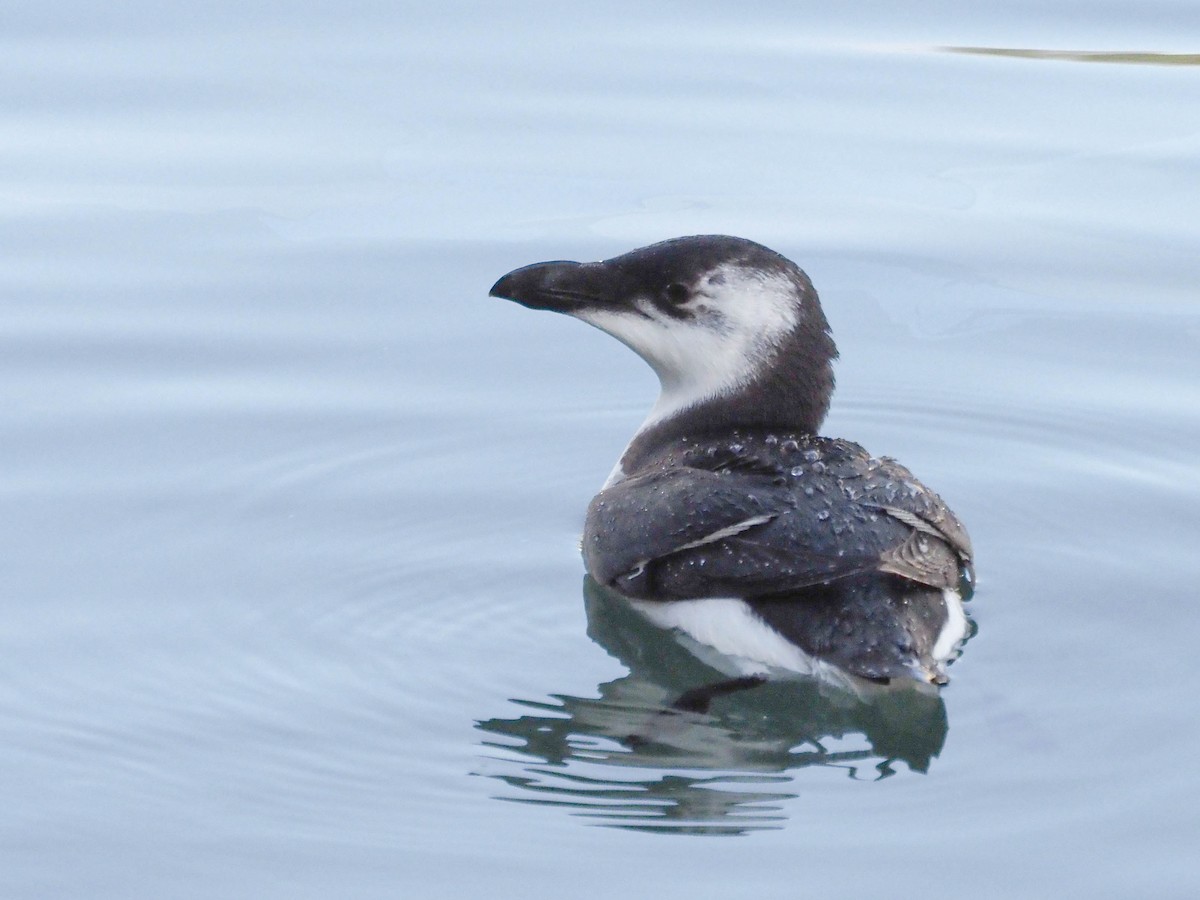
(659, 751)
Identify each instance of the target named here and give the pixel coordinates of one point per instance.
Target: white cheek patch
(736, 325)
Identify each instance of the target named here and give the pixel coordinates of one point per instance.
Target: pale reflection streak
(629, 759)
(1093, 56)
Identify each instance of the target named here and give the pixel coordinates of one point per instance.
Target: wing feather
(753, 529)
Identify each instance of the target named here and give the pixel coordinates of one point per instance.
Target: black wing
(754, 529)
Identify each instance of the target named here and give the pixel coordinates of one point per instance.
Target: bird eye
(677, 293)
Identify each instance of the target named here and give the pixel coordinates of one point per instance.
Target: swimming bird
(728, 517)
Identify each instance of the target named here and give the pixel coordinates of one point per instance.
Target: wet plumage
(727, 492)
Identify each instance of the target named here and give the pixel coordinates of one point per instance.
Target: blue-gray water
(289, 575)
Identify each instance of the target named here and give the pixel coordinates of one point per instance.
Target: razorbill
(727, 516)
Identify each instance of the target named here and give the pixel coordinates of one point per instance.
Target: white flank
(744, 643)
(726, 634)
(954, 631)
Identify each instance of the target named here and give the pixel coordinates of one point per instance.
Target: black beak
(561, 286)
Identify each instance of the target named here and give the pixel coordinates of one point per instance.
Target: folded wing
(701, 526)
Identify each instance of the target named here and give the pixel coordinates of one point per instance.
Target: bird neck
(792, 398)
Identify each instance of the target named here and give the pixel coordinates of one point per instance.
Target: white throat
(737, 319)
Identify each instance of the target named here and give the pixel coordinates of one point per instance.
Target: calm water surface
(291, 589)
